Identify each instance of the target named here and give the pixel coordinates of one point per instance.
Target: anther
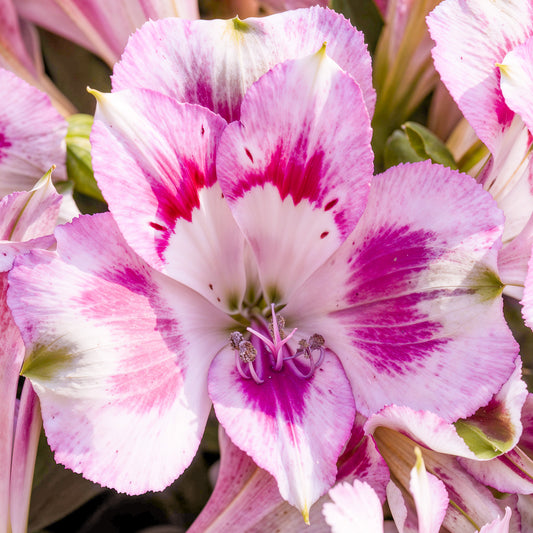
(281, 324)
(235, 339)
(247, 352)
(316, 341)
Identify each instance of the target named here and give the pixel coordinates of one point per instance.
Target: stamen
(247, 352)
(235, 339)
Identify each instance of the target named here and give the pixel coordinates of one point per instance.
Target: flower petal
(467, 51)
(25, 444)
(101, 26)
(153, 153)
(430, 495)
(517, 80)
(11, 357)
(355, 509)
(223, 58)
(118, 355)
(26, 215)
(296, 169)
(292, 427)
(32, 135)
(413, 298)
(498, 525)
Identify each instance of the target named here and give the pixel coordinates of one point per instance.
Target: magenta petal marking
(4, 143)
(292, 427)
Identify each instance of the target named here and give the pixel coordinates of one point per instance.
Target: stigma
(267, 349)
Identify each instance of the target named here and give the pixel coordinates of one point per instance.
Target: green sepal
(416, 143)
(79, 165)
(398, 150)
(479, 442)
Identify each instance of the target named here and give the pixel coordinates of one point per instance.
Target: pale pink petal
(32, 135)
(11, 356)
(498, 525)
(527, 300)
(517, 81)
(28, 431)
(99, 25)
(223, 58)
(423, 427)
(413, 297)
(399, 510)
(26, 215)
(467, 51)
(292, 427)
(303, 180)
(12, 43)
(513, 261)
(118, 354)
(430, 495)
(508, 176)
(355, 509)
(157, 157)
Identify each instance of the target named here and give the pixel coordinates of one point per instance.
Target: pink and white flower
(255, 266)
(474, 40)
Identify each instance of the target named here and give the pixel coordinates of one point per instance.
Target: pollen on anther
(281, 325)
(235, 339)
(247, 352)
(316, 341)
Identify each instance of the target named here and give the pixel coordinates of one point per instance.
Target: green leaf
(79, 165)
(56, 491)
(364, 15)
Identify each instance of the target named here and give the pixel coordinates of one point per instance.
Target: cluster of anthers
(252, 364)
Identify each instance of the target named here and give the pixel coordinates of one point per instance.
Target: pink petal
(355, 509)
(467, 51)
(498, 525)
(12, 40)
(101, 26)
(304, 179)
(430, 495)
(292, 427)
(413, 297)
(26, 215)
(11, 356)
(222, 59)
(25, 444)
(157, 155)
(118, 355)
(517, 80)
(32, 135)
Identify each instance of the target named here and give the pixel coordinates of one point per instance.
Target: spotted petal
(157, 156)
(292, 427)
(298, 186)
(118, 354)
(412, 298)
(223, 58)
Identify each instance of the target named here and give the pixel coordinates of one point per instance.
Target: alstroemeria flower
(32, 135)
(258, 267)
(27, 220)
(472, 38)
